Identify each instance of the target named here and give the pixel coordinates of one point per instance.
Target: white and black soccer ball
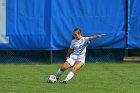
(52, 79)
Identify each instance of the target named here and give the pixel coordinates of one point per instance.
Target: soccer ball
(52, 79)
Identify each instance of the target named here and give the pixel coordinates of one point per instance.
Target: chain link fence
(50, 57)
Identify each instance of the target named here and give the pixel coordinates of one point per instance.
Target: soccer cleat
(65, 82)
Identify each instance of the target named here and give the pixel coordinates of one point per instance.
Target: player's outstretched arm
(68, 53)
(96, 36)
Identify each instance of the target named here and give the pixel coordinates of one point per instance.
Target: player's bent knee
(77, 67)
(74, 69)
(65, 66)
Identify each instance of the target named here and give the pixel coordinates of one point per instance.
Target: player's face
(77, 35)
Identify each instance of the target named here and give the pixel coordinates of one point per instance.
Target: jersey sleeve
(71, 45)
(86, 38)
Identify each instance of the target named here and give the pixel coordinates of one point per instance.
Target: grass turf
(92, 78)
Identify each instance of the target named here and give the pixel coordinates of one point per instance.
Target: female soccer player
(76, 59)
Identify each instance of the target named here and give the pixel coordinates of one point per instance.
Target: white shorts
(75, 58)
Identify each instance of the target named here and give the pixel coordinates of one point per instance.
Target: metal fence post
(127, 25)
(51, 57)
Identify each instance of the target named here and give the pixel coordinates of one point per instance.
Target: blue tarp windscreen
(48, 24)
(28, 24)
(92, 17)
(134, 24)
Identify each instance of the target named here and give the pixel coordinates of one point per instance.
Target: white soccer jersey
(79, 46)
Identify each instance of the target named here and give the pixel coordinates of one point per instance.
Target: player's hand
(100, 35)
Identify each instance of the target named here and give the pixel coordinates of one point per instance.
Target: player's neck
(79, 38)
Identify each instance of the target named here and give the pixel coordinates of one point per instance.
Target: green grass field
(92, 78)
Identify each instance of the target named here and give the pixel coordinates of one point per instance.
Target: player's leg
(75, 68)
(64, 67)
